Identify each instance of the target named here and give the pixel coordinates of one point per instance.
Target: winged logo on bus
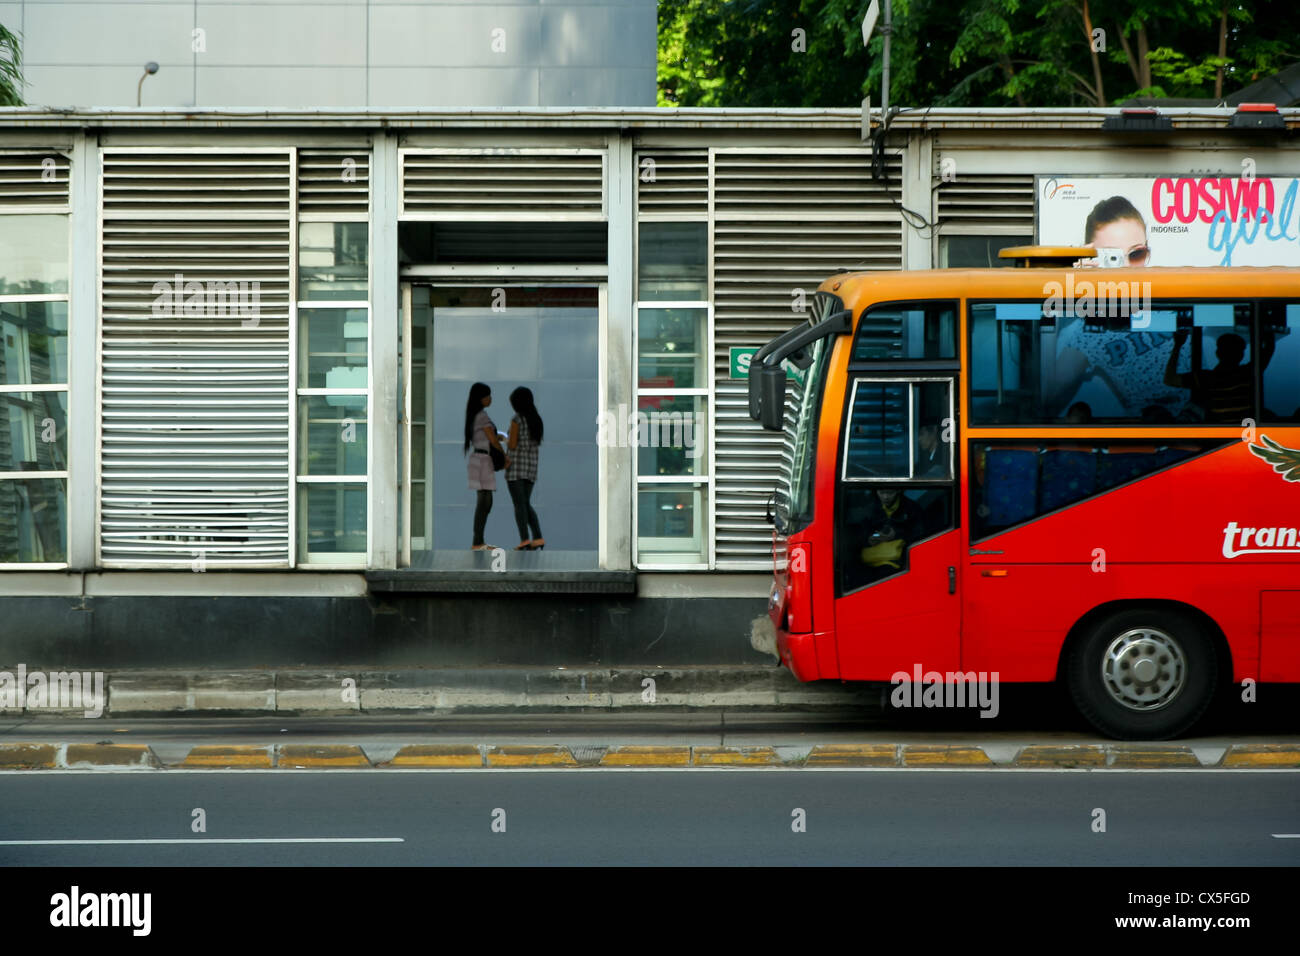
(1285, 461)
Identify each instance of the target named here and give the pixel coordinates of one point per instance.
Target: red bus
(1087, 476)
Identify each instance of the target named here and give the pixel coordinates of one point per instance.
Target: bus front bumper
(798, 653)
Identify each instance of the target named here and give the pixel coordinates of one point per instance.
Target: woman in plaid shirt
(521, 472)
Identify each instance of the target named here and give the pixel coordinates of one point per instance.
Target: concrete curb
(462, 691)
(44, 756)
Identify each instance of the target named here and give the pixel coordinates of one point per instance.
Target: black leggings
(520, 492)
(480, 515)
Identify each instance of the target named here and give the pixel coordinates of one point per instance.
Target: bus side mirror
(771, 392)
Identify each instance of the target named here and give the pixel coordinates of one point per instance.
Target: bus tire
(1143, 673)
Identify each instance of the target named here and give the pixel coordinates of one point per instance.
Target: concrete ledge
(468, 690)
(1262, 755)
(647, 757)
(227, 758)
(295, 756)
(136, 756)
(28, 756)
(925, 755)
(436, 755)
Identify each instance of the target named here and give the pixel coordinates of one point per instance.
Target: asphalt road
(653, 817)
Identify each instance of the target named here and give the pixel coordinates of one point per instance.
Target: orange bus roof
(856, 289)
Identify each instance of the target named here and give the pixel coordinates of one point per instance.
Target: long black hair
(521, 400)
(477, 392)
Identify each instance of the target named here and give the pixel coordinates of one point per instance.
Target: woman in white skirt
(480, 436)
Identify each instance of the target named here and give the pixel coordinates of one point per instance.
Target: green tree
(970, 52)
(11, 61)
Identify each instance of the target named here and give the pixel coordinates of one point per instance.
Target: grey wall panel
(82, 34)
(281, 86)
(595, 86)
(273, 34)
(173, 85)
(435, 87)
(282, 53)
(597, 35)
(454, 35)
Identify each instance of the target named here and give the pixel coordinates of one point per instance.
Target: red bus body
(1213, 536)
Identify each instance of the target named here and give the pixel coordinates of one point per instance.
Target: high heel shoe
(526, 546)
(534, 546)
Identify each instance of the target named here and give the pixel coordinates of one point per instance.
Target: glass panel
(1137, 370)
(878, 524)
(920, 332)
(334, 518)
(671, 435)
(1017, 481)
(33, 431)
(878, 440)
(417, 509)
(672, 261)
(670, 344)
(796, 509)
(333, 260)
(1280, 350)
(33, 343)
(545, 339)
(33, 254)
(670, 523)
(332, 349)
(33, 520)
(332, 435)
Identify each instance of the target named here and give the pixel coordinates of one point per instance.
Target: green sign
(742, 355)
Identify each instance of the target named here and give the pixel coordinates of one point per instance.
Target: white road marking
(203, 840)
(1286, 836)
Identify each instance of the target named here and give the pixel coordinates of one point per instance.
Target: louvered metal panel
(335, 180)
(672, 182)
(987, 198)
(31, 180)
(783, 221)
(519, 184)
(195, 396)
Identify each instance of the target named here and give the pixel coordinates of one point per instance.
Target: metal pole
(884, 79)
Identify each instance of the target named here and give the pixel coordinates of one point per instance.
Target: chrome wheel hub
(1143, 669)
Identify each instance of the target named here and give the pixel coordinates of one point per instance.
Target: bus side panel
(1016, 623)
(1212, 532)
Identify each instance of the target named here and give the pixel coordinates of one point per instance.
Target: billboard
(1175, 220)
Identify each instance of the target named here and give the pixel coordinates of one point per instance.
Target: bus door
(898, 603)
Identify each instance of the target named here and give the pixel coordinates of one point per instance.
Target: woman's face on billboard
(1126, 234)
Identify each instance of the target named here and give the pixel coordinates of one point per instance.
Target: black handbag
(498, 457)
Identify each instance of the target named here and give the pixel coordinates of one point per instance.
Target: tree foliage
(11, 62)
(969, 52)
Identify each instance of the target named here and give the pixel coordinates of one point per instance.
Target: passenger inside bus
(1227, 391)
(879, 524)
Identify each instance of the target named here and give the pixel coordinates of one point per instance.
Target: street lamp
(150, 67)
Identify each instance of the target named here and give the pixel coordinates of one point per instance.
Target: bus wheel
(1143, 674)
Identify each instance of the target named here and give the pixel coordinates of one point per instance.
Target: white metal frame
(61, 209)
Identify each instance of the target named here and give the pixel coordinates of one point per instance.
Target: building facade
(237, 347)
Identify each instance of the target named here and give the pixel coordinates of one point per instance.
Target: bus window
(924, 330)
(1071, 370)
(1281, 322)
(896, 487)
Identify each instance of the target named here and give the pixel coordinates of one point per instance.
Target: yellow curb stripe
(228, 757)
(110, 755)
(939, 756)
(27, 756)
(735, 756)
(1167, 757)
(530, 757)
(1082, 756)
(294, 757)
(647, 757)
(434, 755)
(1262, 755)
(853, 755)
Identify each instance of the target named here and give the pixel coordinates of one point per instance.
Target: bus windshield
(794, 499)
